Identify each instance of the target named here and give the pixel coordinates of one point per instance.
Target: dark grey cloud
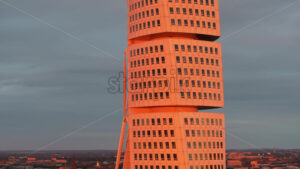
(261, 75)
(51, 83)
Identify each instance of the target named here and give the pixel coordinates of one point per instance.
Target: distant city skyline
(52, 84)
(247, 159)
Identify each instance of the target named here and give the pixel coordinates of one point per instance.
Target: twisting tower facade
(173, 68)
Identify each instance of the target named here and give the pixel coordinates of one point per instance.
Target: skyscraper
(174, 70)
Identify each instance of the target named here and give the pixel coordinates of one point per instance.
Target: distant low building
(254, 164)
(241, 168)
(231, 163)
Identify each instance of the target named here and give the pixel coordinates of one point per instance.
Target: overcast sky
(56, 57)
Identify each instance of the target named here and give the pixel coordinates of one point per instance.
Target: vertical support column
(120, 148)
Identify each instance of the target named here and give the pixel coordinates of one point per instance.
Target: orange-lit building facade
(173, 68)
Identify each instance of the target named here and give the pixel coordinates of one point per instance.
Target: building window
(182, 94)
(177, 59)
(186, 121)
(171, 123)
(172, 21)
(173, 145)
(179, 71)
(188, 144)
(187, 133)
(172, 133)
(175, 158)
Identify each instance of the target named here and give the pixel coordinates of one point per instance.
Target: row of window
(172, 10)
(154, 133)
(144, 14)
(186, 72)
(186, 85)
(201, 2)
(194, 48)
(145, 25)
(141, 3)
(210, 156)
(169, 157)
(169, 121)
(143, 62)
(192, 71)
(155, 145)
(141, 97)
(207, 167)
(154, 12)
(196, 60)
(207, 121)
(205, 133)
(158, 121)
(149, 73)
(135, 86)
(190, 11)
(205, 145)
(185, 22)
(176, 167)
(156, 157)
(191, 23)
(183, 95)
(209, 96)
(157, 167)
(171, 133)
(183, 48)
(193, 84)
(147, 50)
(183, 59)
(172, 145)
